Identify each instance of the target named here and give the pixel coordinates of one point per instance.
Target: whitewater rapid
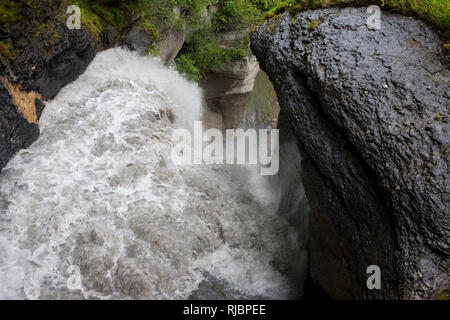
(96, 209)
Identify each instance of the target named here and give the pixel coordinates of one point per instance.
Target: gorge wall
(39, 56)
(369, 110)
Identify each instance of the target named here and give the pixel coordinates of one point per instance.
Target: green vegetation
(185, 65)
(151, 29)
(89, 18)
(436, 12)
(438, 117)
(240, 12)
(7, 13)
(6, 50)
(116, 14)
(203, 53)
(443, 295)
(243, 13)
(313, 25)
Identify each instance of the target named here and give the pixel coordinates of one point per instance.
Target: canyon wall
(42, 56)
(369, 110)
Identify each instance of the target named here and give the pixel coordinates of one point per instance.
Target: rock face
(43, 55)
(262, 108)
(42, 60)
(165, 41)
(228, 87)
(138, 39)
(369, 109)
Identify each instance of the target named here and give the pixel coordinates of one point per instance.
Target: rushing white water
(96, 209)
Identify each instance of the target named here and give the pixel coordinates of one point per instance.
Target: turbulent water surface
(96, 209)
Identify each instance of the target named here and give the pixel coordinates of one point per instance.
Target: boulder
(369, 110)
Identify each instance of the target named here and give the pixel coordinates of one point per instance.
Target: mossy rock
(6, 50)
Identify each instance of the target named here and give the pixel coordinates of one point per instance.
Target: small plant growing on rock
(438, 117)
(313, 25)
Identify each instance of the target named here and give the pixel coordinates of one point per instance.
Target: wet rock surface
(369, 109)
(228, 88)
(45, 56)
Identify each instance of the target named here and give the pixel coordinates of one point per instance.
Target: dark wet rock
(45, 56)
(369, 110)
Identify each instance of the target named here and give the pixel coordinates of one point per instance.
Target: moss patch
(438, 117)
(313, 25)
(203, 53)
(6, 50)
(151, 29)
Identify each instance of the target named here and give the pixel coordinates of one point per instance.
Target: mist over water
(96, 209)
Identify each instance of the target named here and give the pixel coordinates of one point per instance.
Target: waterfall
(96, 209)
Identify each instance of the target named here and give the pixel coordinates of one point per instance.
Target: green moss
(313, 25)
(42, 28)
(55, 36)
(243, 13)
(443, 295)
(89, 18)
(277, 10)
(116, 14)
(6, 50)
(91, 21)
(151, 29)
(185, 65)
(152, 51)
(8, 13)
(438, 117)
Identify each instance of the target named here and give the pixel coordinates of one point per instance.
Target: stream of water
(96, 209)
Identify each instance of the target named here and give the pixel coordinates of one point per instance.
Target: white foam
(96, 209)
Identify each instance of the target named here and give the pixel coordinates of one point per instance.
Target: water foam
(96, 209)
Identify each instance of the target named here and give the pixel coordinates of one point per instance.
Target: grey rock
(212, 288)
(262, 107)
(170, 43)
(138, 39)
(227, 88)
(362, 104)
